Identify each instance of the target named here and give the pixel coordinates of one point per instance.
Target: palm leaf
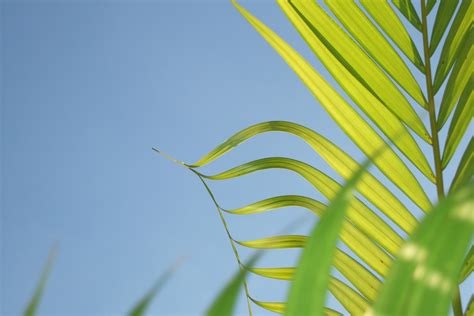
(407, 9)
(443, 16)
(387, 19)
(461, 25)
(465, 170)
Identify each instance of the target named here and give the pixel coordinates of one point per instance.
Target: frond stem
(431, 105)
(457, 305)
(231, 240)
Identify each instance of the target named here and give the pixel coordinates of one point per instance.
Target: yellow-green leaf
(459, 29)
(459, 78)
(357, 241)
(389, 22)
(341, 162)
(465, 170)
(461, 119)
(359, 130)
(359, 213)
(468, 265)
(370, 38)
(444, 14)
(352, 301)
(407, 9)
(279, 307)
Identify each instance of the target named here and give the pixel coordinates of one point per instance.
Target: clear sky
(88, 88)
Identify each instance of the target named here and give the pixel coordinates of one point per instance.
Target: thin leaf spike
(32, 306)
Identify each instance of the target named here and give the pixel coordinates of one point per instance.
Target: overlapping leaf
(425, 275)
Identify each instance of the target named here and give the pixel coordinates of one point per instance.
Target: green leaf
(341, 162)
(359, 213)
(388, 123)
(357, 241)
(430, 4)
(359, 63)
(224, 304)
(32, 306)
(459, 78)
(470, 307)
(356, 128)
(465, 170)
(468, 265)
(425, 275)
(279, 307)
(310, 282)
(407, 9)
(443, 16)
(141, 307)
(461, 119)
(387, 19)
(461, 25)
(370, 38)
(352, 301)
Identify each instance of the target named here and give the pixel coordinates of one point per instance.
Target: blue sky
(88, 89)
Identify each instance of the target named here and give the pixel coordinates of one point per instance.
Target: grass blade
(425, 275)
(143, 304)
(32, 306)
(224, 304)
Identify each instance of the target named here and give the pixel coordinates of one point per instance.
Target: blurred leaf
(224, 304)
(32, 307)
(425, 275)
(141, 307)
(468, 265)
(311, 281)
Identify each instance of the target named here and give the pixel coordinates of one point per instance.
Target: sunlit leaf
(407, 9)
(465, 170)
(461, 25)
(444, 14)
(460, 77)
(461, 119)
(387, 19)
(310, 282)
(370, 38)
(359, 131)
